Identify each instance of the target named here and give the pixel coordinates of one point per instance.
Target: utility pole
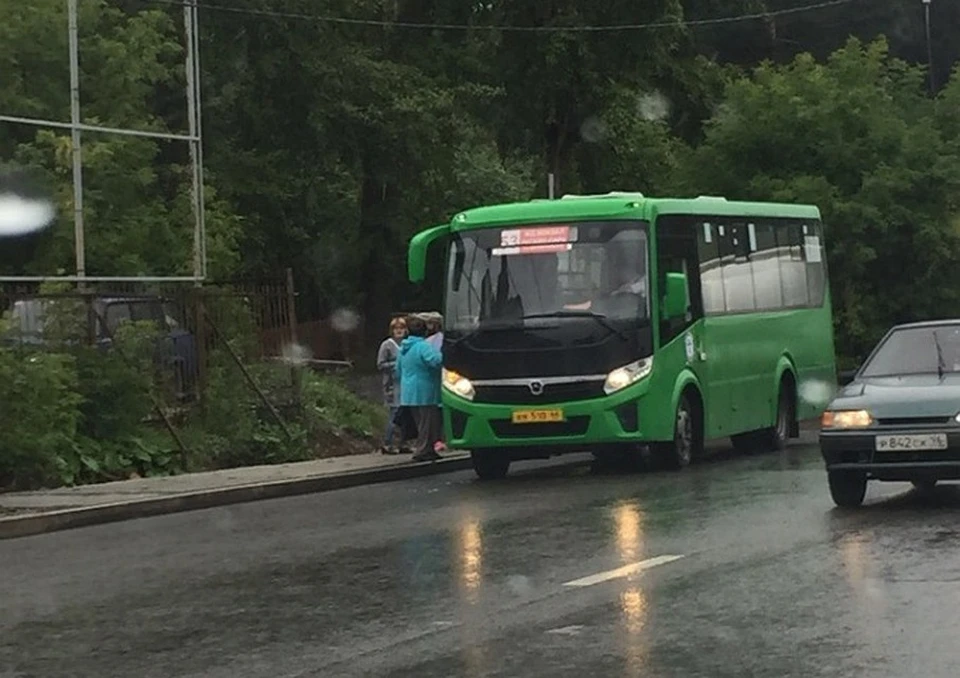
(78, 244)
(930, 73)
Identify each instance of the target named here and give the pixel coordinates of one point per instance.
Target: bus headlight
(846, 419)
(458, 384)
(628, 374)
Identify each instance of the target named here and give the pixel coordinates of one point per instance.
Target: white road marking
(567, 630)
(625, 571)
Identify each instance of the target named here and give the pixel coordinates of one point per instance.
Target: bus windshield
(500, 277)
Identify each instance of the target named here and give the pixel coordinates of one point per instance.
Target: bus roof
(621, 205)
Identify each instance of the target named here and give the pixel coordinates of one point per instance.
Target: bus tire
(490, 464)
(687, 440)
(777, 436)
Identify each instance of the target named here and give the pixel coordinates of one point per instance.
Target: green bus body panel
(417, 251)
(619, 206)
(734, 362)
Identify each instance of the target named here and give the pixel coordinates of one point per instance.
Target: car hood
(918, 395)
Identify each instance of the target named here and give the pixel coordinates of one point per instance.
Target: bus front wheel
(490, 464)
(687, 440)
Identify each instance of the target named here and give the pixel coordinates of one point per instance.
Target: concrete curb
(64, 519)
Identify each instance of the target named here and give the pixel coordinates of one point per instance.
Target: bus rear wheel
(687, 440)
(776, 437)
(490, 464)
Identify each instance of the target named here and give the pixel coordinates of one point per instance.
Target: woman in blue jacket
(418, 373)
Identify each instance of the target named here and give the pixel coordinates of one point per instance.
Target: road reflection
(628, 526)
(469, 553)
(471, 558)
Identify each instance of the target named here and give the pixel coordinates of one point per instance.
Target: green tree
(857, 136)
(136, 191)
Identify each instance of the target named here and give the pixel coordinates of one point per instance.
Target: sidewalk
(27, 513)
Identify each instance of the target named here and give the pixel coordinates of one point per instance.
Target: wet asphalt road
(445, 576)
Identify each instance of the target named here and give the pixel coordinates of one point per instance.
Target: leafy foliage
(327, 146)
(857, 136)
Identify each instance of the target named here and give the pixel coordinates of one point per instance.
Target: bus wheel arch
(688, 429)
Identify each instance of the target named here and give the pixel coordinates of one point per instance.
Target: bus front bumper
(620, 419)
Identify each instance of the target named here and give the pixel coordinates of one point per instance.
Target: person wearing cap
(434, 323)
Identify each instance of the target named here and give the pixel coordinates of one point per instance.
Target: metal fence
(253, 320)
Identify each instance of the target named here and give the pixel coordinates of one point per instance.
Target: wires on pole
(606, 28)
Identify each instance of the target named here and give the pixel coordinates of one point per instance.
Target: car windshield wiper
(598, 317)
(941, 363)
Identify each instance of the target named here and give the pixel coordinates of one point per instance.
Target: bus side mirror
(675, 298)
(417, 252)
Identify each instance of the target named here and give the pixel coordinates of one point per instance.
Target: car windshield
(502, 277)
(917, 350)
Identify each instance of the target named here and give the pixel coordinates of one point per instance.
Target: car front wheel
(848, 488)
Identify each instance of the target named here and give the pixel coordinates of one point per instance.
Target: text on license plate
(536, 416)
(927, 441)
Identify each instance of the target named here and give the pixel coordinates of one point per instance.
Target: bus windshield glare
(499, 277)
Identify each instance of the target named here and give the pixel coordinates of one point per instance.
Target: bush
(237, 429)
(116, 384)
(330, 406)
(39, 417)
(80, 414)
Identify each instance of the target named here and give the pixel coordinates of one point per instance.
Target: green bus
(617, 323)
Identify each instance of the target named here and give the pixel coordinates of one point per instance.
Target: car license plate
(927, 441)
(536, 416)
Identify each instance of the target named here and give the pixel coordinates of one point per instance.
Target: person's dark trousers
(428, 431)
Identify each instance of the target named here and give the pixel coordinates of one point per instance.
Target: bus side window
(677, 253)
(736, 269)
(711, 275)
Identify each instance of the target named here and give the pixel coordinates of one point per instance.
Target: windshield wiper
(598, 317)
(941, 363)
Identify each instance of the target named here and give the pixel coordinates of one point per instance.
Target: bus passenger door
(683, 341)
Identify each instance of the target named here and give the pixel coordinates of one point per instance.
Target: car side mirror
(676, 297)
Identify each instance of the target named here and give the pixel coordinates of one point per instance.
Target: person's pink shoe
(439, 447)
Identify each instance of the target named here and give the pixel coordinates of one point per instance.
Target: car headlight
(846, 419)
(458, 384)
(628, 374)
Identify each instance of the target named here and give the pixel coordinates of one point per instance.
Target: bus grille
(552, 393)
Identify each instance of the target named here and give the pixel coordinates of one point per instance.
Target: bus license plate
(929, 441)
(536, 416)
